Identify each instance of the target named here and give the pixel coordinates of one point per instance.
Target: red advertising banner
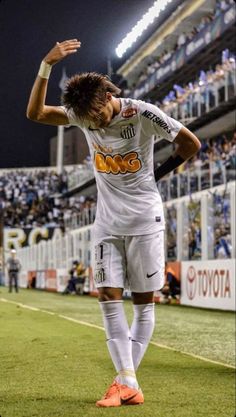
(51, 280)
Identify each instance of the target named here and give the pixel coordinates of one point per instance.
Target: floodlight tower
(148, 18)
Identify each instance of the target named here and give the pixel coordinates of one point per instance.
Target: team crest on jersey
(129, 112)
(127, 132)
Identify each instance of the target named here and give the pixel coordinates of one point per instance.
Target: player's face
(105, 114)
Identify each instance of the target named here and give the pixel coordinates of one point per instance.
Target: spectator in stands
(13, 267)
(192, 242)
(222, 248)
(171, 225)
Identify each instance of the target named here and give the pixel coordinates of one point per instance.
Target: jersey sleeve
(73, 119)
(155, 122)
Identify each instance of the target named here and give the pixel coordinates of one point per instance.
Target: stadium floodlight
(147, 19)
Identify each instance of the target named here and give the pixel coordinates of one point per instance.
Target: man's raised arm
(36, 109)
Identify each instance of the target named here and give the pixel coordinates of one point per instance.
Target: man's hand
(61, 50)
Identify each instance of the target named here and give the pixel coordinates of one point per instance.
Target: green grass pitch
(50, 366)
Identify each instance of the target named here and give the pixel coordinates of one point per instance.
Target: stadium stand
(30, 198)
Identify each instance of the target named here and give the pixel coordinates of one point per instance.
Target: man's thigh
(145, 262)
(109, 264)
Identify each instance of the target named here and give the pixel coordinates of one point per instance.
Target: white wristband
(45, 70)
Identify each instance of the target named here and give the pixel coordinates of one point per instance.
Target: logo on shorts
(151, 275)
(99, 276)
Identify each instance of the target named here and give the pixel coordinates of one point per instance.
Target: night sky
(28, 29)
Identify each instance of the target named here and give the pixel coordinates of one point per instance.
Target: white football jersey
(128, 199)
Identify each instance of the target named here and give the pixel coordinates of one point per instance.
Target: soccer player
(129, 224)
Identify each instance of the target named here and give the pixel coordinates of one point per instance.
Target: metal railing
(191, 181)
(84, 218)
(208, 96)
(79, 176)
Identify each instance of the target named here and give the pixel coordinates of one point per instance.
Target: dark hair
(86, 93)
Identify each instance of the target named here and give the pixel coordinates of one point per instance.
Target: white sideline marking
(192, 355)
(84, 323)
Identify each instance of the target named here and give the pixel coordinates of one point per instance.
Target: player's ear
(109, 96)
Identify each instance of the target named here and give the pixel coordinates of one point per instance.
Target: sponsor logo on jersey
(102, 148)
(127, 132)
(132, 111)
(117, 164)
(160, 122)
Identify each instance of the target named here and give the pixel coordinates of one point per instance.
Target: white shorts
(132, 262)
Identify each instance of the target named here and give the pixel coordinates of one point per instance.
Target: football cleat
(118, 394)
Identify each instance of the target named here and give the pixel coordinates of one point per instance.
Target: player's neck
(116, 104)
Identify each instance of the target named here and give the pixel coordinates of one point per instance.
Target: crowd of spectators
(215, 154)
(214, 164)
(32, 199)
(219, 230)
(182, 39)
(212, 88)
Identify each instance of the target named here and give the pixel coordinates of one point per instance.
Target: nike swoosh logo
(151, 275)
(125, 400)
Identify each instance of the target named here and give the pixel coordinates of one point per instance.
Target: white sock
(141, 330)
(119, 342)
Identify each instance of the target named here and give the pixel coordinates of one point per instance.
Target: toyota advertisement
(208, 284)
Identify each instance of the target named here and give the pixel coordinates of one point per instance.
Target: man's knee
(109, 294)
(143, 298)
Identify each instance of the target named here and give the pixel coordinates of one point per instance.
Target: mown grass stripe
(84, 323)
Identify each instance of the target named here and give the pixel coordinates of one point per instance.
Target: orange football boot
(118, 394)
